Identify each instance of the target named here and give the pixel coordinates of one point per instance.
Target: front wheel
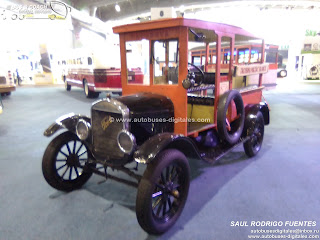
(66, 85)
(256, 131)
(163, 191)
(64, 162)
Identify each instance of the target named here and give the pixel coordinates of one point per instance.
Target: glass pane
(243, 55)
(138, 62)
(165, 62)
(255, 55)
(203, 61)
(196, 61)
(271, 57)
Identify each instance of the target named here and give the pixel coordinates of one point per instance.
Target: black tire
(66, 85)
(283, 73)
(62, 166)
(256, 131)
(19, 80)
(117, 93)
(165, 183)
(233, 135)
(88, 92)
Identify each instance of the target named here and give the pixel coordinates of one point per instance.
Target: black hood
(147, 103)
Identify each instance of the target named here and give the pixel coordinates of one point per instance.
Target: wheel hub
(169, 190)
(73, 160)
(169, 187)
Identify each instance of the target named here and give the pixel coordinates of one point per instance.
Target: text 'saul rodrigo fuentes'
(309, 223)
(279, 229)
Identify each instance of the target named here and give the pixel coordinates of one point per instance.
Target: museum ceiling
(105, 9)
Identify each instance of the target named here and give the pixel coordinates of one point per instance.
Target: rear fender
(154, 145)
(252, 109)
(251, 112)
(68, 121)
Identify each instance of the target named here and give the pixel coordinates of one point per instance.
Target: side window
(165, 62)
(138, 62)
(89, 61)
(226, 58)
(271, 56)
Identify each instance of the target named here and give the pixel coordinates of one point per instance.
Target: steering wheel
(198, 83)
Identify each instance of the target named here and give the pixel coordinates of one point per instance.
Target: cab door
(162, 56)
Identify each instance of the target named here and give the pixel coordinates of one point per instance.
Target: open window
(165, 62)
(138, 71)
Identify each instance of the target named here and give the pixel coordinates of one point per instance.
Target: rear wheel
(64, 162)
(256, 131)
(163, 191)
(283, 73)
(88, 92)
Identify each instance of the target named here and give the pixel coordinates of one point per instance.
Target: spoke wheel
(64, 162)
(163, 191)
(253, 145)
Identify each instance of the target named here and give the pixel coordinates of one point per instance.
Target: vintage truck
(176, 113)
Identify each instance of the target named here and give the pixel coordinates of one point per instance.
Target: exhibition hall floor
(280, 184)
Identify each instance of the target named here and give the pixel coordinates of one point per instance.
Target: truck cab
(176, 112)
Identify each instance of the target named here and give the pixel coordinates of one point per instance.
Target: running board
(212, 155)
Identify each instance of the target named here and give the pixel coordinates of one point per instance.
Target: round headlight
(126, 141)
(82, 129)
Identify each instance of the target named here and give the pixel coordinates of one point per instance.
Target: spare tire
(230, 135)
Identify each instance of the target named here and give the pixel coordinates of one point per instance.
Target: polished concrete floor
(280, 184)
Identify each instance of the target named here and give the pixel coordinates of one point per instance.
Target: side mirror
(189, 81)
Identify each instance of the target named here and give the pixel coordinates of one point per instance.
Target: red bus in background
(243, 54)
(94, 75)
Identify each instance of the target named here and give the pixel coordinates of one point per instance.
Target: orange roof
(176, 22)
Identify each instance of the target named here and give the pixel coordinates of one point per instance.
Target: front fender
(154, 145)
(68, 121)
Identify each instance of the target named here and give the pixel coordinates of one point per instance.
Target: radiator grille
(105, 134)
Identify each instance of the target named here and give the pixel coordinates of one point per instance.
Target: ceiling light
(117, 7)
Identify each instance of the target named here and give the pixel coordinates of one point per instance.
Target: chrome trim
(123, 109)
(71, 80)
(63, 117)
(132, 138)
(107, 89)
(80, 82)
(88, 126)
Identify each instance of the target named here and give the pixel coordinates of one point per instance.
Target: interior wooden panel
(196, 111)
